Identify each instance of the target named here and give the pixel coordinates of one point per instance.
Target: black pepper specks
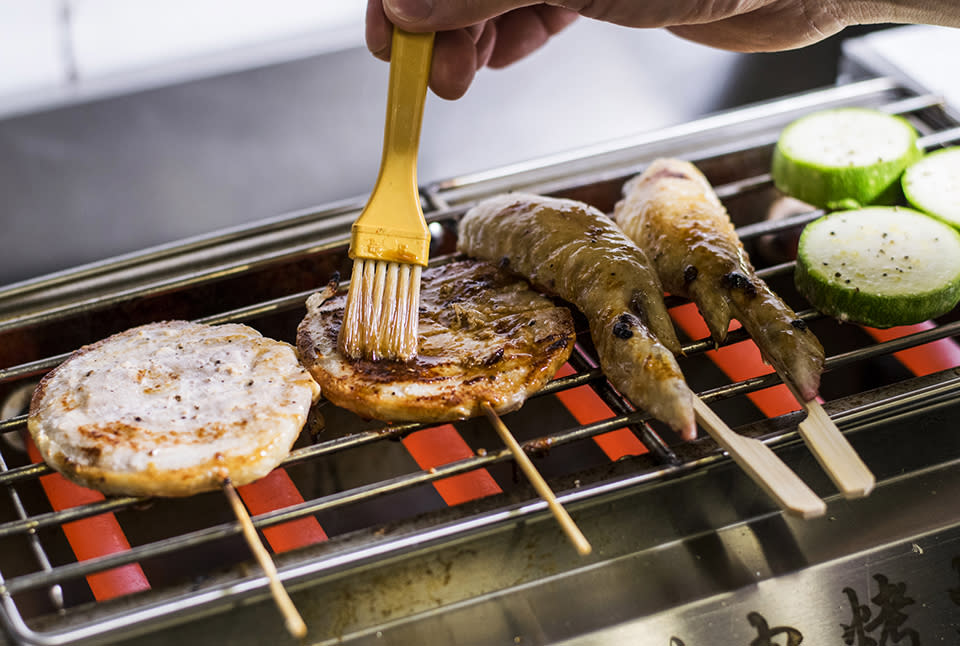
(690, 274)
(623, 328)
(736, 280)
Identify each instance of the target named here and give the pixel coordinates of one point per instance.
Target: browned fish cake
(172, 409)
(485, 336)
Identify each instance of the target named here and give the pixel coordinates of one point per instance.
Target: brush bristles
(382, 314)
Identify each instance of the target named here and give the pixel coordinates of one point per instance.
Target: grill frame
(54, 301)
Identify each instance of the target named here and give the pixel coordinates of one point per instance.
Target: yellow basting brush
(390, 241)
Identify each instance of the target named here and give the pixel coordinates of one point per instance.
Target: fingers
(459, 53)
(444, 15)
(454, 63)
(521, 32)
(378, 30)
(773, 27)
(486, 43)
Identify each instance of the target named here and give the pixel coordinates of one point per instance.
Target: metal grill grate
(390, 510)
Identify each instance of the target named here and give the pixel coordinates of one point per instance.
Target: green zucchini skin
(847, 186)
(932, 185)
(849, 292)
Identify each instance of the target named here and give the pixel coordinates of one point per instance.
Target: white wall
(29, 46)
(52, 50)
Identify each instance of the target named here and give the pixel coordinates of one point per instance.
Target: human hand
(494, 33)
(464, 46)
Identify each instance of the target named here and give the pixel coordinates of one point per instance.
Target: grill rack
(710, 143)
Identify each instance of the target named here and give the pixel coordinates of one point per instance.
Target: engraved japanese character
(891, 600)
(765, 634)
(854, 633)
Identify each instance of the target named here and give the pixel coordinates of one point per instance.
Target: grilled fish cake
(576, 252)
(172, 409)
(672, 212)
(485, 336)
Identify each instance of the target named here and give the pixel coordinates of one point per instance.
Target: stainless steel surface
(686, 547)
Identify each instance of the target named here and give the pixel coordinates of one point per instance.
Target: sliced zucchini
(879, 266)
(933, 185)
(844, 158)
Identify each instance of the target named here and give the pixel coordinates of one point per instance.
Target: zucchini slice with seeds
(879, 266)
(845, 158)
(932, 185)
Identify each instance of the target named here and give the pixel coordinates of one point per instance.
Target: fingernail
(412, 10)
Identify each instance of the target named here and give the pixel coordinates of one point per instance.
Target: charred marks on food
(736, 280)
(558, 342)
(469, 288)
(667, 172)
(539, 447)
(593, 234)
(494, 358)
(800, 324)
(690, 273)
(623, 328)
(479, 378)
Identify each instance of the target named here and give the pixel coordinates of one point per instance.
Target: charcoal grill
(400, 534)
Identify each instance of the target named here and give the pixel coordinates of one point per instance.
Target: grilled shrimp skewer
(574, 251)
(673, 214)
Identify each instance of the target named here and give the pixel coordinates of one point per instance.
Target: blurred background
(131, 123)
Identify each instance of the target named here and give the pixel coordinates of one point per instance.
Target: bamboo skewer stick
(292, 619)
(841, 462)
(762, 465)
(580, 542)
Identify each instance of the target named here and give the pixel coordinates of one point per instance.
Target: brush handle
(392, 227)
(410, 58)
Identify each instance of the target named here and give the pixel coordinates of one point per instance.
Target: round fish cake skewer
(172, 409)
(484, 335)
(487, 341)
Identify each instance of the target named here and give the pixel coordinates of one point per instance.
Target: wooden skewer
(833, 451)
(762, 465)
(569, 527)
(292, 619)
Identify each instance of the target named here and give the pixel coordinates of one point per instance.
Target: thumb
(444, 15)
